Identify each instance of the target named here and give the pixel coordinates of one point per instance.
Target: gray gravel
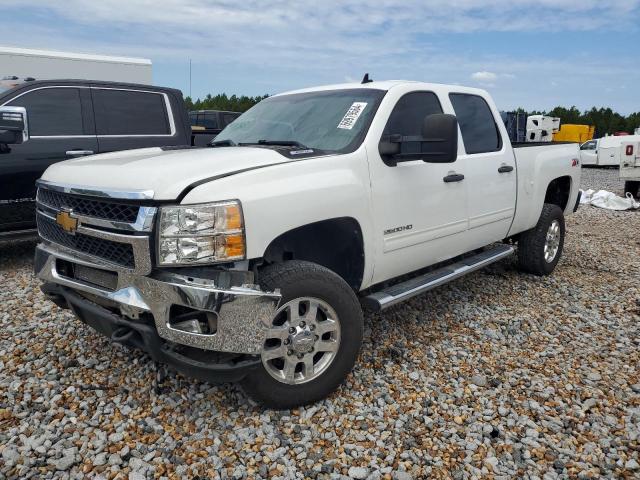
(499, 374)
(602, 179)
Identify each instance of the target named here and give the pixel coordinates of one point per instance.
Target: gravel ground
(497, 375)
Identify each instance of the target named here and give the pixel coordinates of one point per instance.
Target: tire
(333, 296)
(531, 244)
(632, 187)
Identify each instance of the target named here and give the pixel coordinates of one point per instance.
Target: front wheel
(540, 248)
(313, 340)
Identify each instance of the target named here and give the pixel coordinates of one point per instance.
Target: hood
(166, 172)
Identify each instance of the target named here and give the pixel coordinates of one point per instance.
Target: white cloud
(488, 79)
(484, 76)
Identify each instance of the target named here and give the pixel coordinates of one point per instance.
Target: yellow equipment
(574, 133)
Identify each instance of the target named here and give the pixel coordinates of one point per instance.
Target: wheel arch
(559, 191)
(335, 243)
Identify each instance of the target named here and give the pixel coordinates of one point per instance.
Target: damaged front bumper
(238, 313)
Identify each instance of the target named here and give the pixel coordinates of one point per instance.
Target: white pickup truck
(251, 260)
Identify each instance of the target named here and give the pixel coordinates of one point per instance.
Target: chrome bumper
(243, 312)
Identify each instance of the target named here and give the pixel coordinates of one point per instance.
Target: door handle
(79, 153)
(505, 169)
(453, 177)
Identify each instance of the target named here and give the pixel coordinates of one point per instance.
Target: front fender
(283, 197)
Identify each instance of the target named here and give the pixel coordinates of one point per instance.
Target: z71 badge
(398, 229)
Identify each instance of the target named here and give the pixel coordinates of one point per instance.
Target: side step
(410, 288)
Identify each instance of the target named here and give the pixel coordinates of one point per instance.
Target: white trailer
(19, 64)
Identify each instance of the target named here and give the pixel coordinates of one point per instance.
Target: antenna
(366, 79)
(190, 80)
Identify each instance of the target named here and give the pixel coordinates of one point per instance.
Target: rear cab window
(229, 117)
(129, 112)
(478, 126)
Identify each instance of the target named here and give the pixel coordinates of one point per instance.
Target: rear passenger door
(128, 119)
(490, 172)
(61, 127)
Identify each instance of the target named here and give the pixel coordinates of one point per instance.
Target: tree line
(606, 121)
(222, 101)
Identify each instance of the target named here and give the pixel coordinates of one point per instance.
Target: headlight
(198, 234)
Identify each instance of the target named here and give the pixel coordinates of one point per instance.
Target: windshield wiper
(222, 143)
(284, 143)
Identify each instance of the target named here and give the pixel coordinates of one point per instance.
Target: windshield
(332, 120)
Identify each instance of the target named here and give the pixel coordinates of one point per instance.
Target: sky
(534, 54)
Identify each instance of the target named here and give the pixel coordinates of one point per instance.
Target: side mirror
(440, 133)
(14, 126)
(438, 143)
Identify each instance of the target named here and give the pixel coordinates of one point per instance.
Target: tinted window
(122, 112)
(408, 114)
(52, 111)
(208, 120)
(230, 117)
(479, 130)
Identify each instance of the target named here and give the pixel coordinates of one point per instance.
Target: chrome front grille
(119, 212)
(110, 251)
(108, 229)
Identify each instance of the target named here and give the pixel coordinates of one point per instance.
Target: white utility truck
(630, 164)
(18, 65)
(605, 151)
(251, 260)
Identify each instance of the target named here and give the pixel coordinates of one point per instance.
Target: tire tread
(531, 243)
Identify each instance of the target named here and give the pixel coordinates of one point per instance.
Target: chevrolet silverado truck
(252, 260)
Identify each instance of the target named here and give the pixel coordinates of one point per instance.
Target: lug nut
(292, 330)
(303, 324)
(287, 341)
(289, 352)
(300, 355)
(312, 327)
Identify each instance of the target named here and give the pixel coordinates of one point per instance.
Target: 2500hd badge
(398, 229)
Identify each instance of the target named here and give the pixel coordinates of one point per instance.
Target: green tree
(222, 101)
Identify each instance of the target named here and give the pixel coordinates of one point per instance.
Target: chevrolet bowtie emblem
(67, 222)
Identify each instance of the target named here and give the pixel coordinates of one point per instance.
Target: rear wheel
(632, 187)
(540, 248)
(313, 340)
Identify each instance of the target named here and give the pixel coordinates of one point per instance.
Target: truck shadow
(17, 254)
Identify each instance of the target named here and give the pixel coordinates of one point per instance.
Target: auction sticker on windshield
(351, 117)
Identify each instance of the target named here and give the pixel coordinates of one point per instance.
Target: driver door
(589, 153)
(60, 129)
(420, 218)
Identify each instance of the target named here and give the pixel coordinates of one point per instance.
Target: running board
(410, 288)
